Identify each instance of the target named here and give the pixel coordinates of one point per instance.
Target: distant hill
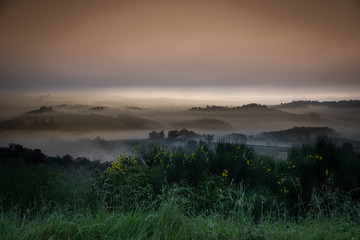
(203, 124)
(46, 118)
(334, 104)
(255, 112)
(298, 133)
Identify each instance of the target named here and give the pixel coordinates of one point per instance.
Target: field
(201, 190)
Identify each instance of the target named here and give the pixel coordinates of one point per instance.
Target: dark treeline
(301, 133)
(183, 134)
(217, 108)
(293, 104)
(16, 153)
(338, 104)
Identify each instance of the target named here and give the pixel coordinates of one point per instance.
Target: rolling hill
(46, 118)
(255, 111)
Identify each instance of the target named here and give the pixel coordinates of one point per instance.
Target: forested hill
(299, 133)
(334, 104)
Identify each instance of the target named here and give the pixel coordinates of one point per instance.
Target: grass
(209, 191)
(169, 222)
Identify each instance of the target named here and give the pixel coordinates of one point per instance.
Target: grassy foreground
(203, 191)
(169, 222)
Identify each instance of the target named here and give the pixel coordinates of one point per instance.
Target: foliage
(291, 183)
(216, 190)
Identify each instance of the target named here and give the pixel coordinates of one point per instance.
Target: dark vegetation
(17, 154)
(292, 135)
(206, 190)
(225, 108)
(335, 104)
(182, 135)
(299, 133)
(98, 108)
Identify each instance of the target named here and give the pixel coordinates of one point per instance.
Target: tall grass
(169, 222)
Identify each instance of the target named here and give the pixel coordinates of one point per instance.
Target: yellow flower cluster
(159, 155)
(191, 159)
(315, 157)
(123, 161)
(287, 191)
(290, 164)
(225, 173)
(281, 181)
(328, 173)
(249, 161)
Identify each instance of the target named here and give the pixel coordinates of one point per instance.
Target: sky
(218, 50)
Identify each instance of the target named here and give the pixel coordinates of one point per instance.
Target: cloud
(80, 44)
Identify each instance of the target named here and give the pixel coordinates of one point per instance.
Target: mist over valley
(100, 131)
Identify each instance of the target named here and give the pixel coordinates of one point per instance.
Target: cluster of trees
(17, 153)
(302, 103)
(300, 133)
(43, 109)
(98, 108)
(174, 134)
(212, 107)
(183, 134)
(157, 135)
(216, 108)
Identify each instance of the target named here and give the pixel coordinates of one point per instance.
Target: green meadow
(205, 190)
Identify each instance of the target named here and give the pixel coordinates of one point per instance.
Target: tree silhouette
(173, 134)
(184, 133)
(34, 157)
(209, 138)
(161, 135)
(153, 135)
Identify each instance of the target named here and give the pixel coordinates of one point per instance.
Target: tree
(161, 135)
(153, 135)
(173, 134)
(34, 157)
(209, 138)
(347, 147)
(156, 135)
(184, 133)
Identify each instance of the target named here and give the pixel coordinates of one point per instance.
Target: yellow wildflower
(225, 173)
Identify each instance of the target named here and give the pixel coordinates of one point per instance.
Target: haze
(294, 47)
(164, 57)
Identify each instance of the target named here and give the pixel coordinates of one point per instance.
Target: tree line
(183, 134)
